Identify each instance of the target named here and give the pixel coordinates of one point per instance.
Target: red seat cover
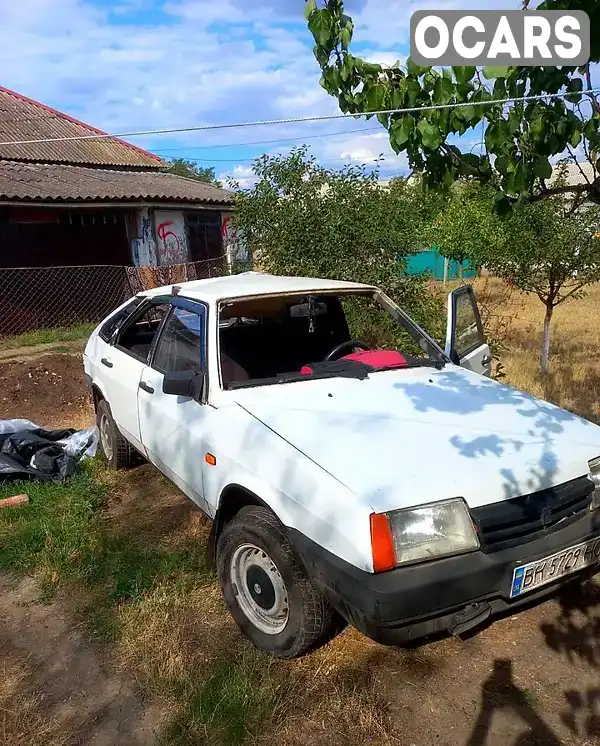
(378, 358)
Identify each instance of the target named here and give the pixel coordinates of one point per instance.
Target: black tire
(115, 450)
(310, 618)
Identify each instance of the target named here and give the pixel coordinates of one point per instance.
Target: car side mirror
(184, 383)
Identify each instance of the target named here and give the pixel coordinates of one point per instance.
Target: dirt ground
(529, 679)
(49, 390)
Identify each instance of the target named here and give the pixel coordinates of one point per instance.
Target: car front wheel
(266, 588)
(113, 446)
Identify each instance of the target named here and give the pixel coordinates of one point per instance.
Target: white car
(398, 487)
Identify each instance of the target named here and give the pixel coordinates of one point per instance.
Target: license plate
(534, 574)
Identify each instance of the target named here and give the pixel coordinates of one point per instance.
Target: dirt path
(60, 688)
(33, 352)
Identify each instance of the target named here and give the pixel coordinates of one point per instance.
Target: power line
(295, 120)
(272, 142)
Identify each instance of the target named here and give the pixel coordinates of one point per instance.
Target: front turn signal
(382, 543)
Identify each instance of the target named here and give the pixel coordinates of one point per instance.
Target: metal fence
(49, 297)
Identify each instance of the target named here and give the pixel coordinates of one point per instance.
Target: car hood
(411, 436)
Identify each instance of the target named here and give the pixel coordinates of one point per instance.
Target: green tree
(302, 219)
(520, 139)
(191, 170)
(545, 247)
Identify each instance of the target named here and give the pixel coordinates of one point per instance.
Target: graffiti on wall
(233, 243)
(171, 237)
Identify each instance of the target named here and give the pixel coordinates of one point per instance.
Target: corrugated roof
(63, 183)
(22, 118)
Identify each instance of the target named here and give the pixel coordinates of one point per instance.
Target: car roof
(248, 284)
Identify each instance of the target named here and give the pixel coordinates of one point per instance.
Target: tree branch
(588, 81)
(578, 164)
(574, 189)
(571, 292)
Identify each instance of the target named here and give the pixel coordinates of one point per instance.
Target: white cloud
(150, 64)
(242, 175)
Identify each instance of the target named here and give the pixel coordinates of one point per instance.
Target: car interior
(263, 338)
(137, 337)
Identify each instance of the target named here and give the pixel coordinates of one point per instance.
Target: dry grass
(22, 719)
(516, 319)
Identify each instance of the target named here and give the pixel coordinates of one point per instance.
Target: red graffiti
(170, 240)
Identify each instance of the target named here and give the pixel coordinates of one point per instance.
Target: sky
(130, 65)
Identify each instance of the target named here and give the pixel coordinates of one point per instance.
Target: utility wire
(294, 120)
(272, 142)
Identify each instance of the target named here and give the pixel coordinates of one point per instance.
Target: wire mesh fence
(35, 298)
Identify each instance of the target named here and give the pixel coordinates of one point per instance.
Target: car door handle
(106, 362)
(486, 359)
(145, 387)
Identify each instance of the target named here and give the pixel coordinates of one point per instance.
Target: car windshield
(278, 339)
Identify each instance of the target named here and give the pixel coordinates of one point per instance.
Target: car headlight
(427, 532)
(594, 467)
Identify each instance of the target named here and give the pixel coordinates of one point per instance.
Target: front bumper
(446, 596)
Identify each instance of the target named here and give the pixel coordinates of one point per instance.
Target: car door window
(138, 335)
(181, 345)
(468, 332)
(109, 327)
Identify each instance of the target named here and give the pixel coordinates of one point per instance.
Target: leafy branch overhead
(521, 140)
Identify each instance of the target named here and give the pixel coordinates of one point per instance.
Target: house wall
(166, 236)
(234, 246)
(171, 237)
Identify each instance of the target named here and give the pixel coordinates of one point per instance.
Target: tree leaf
(402, 130)
(501, 164)
(375, 97)
(575, 138)
(309, 7)
(464, 74)
(431, 137)
(542, 168)
(414, 69)
(495, 71)
(502, 205)
(345, 38)
(443, 91)
(320, 24)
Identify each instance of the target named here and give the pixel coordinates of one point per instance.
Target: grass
(139, 581)
(516, 319)
(45, 336)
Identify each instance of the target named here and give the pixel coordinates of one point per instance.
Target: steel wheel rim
(256, 582)
(106, 436)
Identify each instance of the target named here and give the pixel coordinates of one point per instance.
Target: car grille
(510, 522)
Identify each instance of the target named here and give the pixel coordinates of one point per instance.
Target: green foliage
(191, 170)
(62, 533)
(302, 219)
(545, 247)
(523, 137)
(75, 333)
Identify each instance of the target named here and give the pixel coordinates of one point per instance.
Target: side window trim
(194, 306)
(456, 295)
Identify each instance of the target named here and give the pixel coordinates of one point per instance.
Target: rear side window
(108, 328)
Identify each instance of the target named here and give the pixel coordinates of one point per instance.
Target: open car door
(465, 343)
